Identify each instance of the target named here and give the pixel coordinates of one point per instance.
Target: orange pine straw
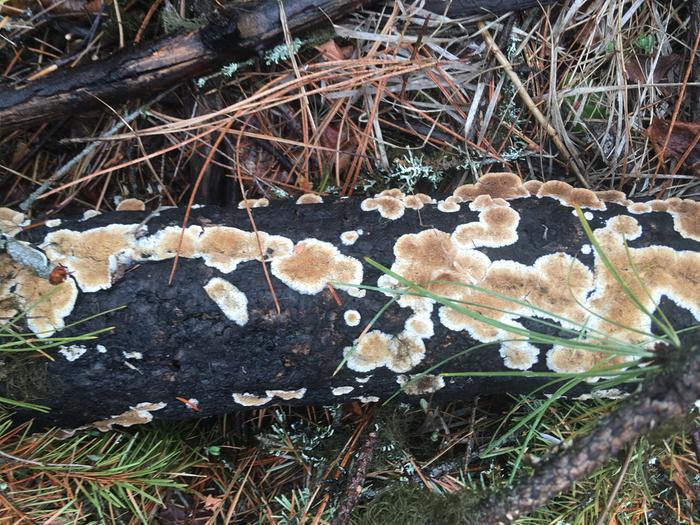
(200, 177)
(334, 294)
(252, 223)
(189, 404)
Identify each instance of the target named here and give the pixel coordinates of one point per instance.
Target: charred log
(216, 336)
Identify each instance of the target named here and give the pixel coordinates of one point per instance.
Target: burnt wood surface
(241, 30)
(191, 350)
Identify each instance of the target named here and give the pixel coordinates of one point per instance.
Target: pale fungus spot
(313, 264)
(350, 237)
(413, 203)
(20, 287)
(570, 360)
(89, 214)
(496, 185)
(52, 223)
(131, 205)
(233, 302)
(310, 198)
(372, 350)
(367, 399)
(137, 415)
(421, 384)
(223, 247)
(363, 380)
(10, 221)
(449, 205)
(253, 203)
(92, 256)
(342, 390)
(533, 186)
(420, 325)
(588, 216)
(250, 400)
(132, 355)
(72, 352)
(164, 243)
(497, 227)
(686, 217)
(102, 349)
(286, 395)
(389, 207)
(637, 208)
(352, 317)
(570, 196)
(391, 192)
(586, 249)
(613, 196)
(519, 355)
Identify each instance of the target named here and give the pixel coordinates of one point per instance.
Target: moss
(412, 504)
(25, 377)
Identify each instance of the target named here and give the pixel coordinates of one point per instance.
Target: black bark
(191, 350)
(242, 30)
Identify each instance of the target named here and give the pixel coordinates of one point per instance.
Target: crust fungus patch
(497, 226)
(137, 415)
(350, 237)
(164, 243)
(253, 203)
(286, 395)
(496, 185)
(519, 355)
(223, 247)
(570, 196)
(389, 207)
(376, 349)
(20, 287)
(417, 385)
(72, 352)
(420, 325)
(91, 256)
(233, 302)
(250, 400)
(313, 264)
(352, 317)
(310, 198)
(391, 204)
(342, 390)
(10, 221)
(131, 205)
(686, 217)
(449, 205)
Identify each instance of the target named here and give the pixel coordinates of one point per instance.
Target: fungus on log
(216, 339)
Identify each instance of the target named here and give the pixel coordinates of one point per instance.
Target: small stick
(65, 169)
(364, 458)
(618, 484)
